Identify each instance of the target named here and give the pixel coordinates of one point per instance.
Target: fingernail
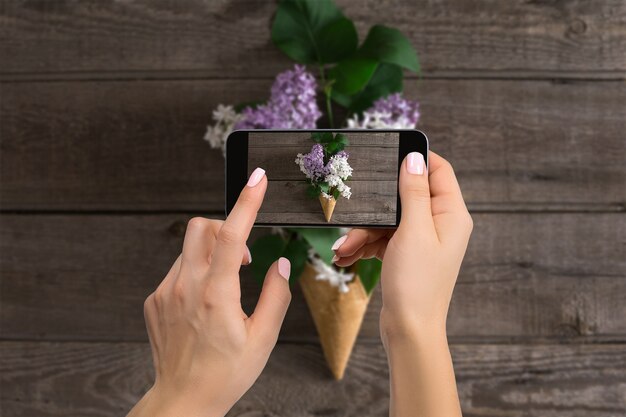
(256, 176)
(415, 163)
(335, 258)
(339, 242)
(249, 256)
(284, 268)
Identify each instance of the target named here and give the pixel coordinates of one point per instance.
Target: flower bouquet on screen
(327, 169)
(361, 81)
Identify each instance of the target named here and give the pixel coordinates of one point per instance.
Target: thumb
(273, 302)
(415, 194)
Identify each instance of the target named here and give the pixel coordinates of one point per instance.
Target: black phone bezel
(236, 167)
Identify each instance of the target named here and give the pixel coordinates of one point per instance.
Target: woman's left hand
(207, 353)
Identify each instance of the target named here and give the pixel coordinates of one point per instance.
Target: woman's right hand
(421, 259)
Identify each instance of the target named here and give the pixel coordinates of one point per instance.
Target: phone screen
(324, 178)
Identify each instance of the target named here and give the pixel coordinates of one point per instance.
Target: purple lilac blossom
(313, 163)
(292, 104)
(397, 107)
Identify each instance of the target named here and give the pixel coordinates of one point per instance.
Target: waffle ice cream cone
(337, 316)
(328, 205)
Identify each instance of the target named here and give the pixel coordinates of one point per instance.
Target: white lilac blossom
(333, 173)
(292, 104)
(325, 272)
(338, 165)
(391, 112)
(339, 170)
(225, 119)
(335, 181)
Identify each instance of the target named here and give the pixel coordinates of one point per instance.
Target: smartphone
(324, 177)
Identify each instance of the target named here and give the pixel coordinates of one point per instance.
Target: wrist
(160, 402)
(396, 329)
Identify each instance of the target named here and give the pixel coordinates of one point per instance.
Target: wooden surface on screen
(373, 157)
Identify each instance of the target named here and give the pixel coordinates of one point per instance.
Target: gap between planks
(194, 75)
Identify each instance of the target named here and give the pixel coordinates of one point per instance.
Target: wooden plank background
(103, 105)
(373, 182)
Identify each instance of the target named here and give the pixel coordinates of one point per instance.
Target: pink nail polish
(249, 256)
(256, 177)
(284, 268)
(335, 258)
(415, 163)
(339, 242)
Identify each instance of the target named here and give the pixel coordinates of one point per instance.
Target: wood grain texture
(231, 39)
(105, 379)
(371, 203)
(373, 155)
(369, 197)
(373, 183)
(525, 276)
(138, 145)
(103, 105)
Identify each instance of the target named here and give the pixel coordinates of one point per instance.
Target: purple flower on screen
(292, 104)
(312, 163)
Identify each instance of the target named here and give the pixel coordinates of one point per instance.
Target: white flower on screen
(338, 165)
(344, 190)
(225, 118)
(334, 277)
(335, 181)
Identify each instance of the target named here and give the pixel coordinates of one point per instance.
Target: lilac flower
(292, 104)
(392, 111)
(312, 163)
(225, 118)
(333, 173)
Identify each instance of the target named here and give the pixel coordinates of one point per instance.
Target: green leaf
(321, 240)
(312, 191)
(332, 148)
(390, 46)
(341, 138)
(327, 137)
(265, 250)
(369, 272)
(337, 40)
(317, 136)
(386, 80)
(351, 75)
(313, 31)
(297, 253)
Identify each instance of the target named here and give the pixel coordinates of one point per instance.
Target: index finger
(232, 237)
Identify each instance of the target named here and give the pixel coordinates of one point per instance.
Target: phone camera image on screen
(321, 178)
